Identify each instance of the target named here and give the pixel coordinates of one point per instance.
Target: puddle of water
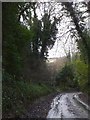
(63, 107)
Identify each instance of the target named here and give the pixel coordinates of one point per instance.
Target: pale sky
(64, 43)
(60, 48)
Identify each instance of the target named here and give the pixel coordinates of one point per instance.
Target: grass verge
(18, 94)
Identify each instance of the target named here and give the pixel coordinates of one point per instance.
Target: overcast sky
(60, 48)
(64, 43)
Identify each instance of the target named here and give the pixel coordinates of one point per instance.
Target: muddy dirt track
(65, 106)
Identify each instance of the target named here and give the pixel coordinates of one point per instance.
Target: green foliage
(18, 94)
(22, 45)
(74, 75)
(83, 51)
(81, 75)
(65, 76)
(43, 35)
(16, 36)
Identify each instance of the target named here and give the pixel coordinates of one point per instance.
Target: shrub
(18, 94)
(65, 76)
(81, 74)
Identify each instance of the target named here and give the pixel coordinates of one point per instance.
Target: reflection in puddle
(63, 106)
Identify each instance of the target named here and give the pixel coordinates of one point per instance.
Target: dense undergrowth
(18, 94)
(73, 75)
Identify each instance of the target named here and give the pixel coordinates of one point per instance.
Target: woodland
(29, 30)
